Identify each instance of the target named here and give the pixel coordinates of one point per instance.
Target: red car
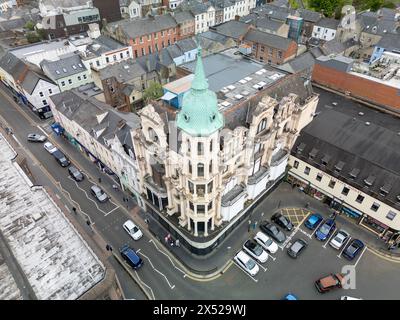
(330, 282)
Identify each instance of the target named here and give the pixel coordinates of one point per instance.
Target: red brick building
(147, 35)
(334, 74)
(270, 48)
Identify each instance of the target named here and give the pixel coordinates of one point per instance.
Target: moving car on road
(246, 263)
(266, 242)
(330, 282)
(255, 250)
(100, 195)
(131, 257)
(290, 296)
(353, 249)
(75, 174)
(339, 239)
(34, 137)
(324, 231)
(50, 147)
(273, 231)
(61, 158)
(313, 221)
(296, 248)
(282, 221)
(133, 230)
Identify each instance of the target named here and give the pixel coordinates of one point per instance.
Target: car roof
(262, 236)
(315, 217)
(95, 187)
(131, 254)
(129, 224)
(357, 241)
(243, 256)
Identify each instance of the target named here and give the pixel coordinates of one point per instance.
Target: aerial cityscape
(158, 150)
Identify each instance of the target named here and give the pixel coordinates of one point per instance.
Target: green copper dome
(199, 115)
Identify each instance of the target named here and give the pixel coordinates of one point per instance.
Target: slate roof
(269, 24)
(213, 36)
(31, 80)
(339, 63)
(64, 67)
(123, 71)
(13, 66)
(134, 28)
(268, 39)
(310, 16)
(183, 16)
(187, 44)
(373, 24)
(303, 62)
(83, 110)
(390, 42)
(328, 23)
(233, 29)
(342, 134)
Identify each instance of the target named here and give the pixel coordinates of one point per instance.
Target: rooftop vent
(58, 72)
(74, 67)
(367, 123)
(385, 189)
(65, 70)
(231, 87)
(248, 79)
(238, 97)
(313, 153)
(325, 160)
(300, 147)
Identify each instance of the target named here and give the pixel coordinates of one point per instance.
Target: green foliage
(327, 7)
(30, 25)
(41, 33)
(294, 4)
(389, 5)
(153, 92)
(32, 37)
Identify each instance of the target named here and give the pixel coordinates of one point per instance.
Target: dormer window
(339, 166)
(313, 153)
(383, 191)
(300, 147)
(370, 180)
(354, 173)
(325, 160)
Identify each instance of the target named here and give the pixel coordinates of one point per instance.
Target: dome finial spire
(199, 82)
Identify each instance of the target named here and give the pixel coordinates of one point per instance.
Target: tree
(32, 37)
(30, 25)
(153, 92)
(327, 7)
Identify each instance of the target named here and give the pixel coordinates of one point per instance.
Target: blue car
(290, 296)
(131, 257)
(325, 230)
(353, 249)
(313, 221)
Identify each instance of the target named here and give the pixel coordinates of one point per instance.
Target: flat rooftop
(8, 287)
(57, 262)
(234, 78)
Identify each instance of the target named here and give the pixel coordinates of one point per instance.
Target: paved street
(163, 278)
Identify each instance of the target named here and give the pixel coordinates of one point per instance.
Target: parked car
(290, 296)
(61, 158)
(255, 250)
(273, 231)
(282, 221)
(339, 239)
(246, 263)
(34, 137)
(330, 282)
(131, 257)
(266, 242)
(100, 195)
(353, 249)
(133, 230)
(313, 221)
(325, 230)
(75, 173)
(296, 248)
(50, 147)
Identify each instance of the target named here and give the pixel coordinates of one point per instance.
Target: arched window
(262, 125)
(153, 135)
(200, 170)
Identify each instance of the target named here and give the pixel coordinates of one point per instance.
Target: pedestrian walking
(115, 187)
(108, 247)
(307, 205)
(146, 221)
(99, 180)
(88, 223)
(177, 244)
(74, 210)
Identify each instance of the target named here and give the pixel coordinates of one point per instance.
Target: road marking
(158, 271)
(305, 233)
(344, 247)
(261, 266)
(152, 293)
(40, 128)
(381, 256)
(359, 258)
(111, 210)
(173, 264)
(240, 268)
(59, 198)
(317, 227)
(16, 140)
(327, 241)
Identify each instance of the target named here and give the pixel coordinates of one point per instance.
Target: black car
(131, 257)
(282, 221)
(273, 231)
(61, 158)
(296, 248)
(75, 173)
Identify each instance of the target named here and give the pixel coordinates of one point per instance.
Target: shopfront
(374, 225)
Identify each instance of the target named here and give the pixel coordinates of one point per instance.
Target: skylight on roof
(58, 72)
(65, 70)
(248, 79)
(231, 87)
(243, 81)
(80, 65)
(74, 67)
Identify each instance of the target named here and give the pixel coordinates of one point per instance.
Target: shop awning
(168, 96)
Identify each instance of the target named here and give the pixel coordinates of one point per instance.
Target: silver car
(98, 193)
(339, 239)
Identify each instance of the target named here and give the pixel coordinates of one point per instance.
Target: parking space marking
(111, 211)
(305, 233)
(158, 271)
(255, 280)
(344, 247)
(40, 128)
(315, 230)
(270, 256)
(327, 241)
(359, 258)
(261, 266)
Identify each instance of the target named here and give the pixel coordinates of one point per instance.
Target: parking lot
(318, 259)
